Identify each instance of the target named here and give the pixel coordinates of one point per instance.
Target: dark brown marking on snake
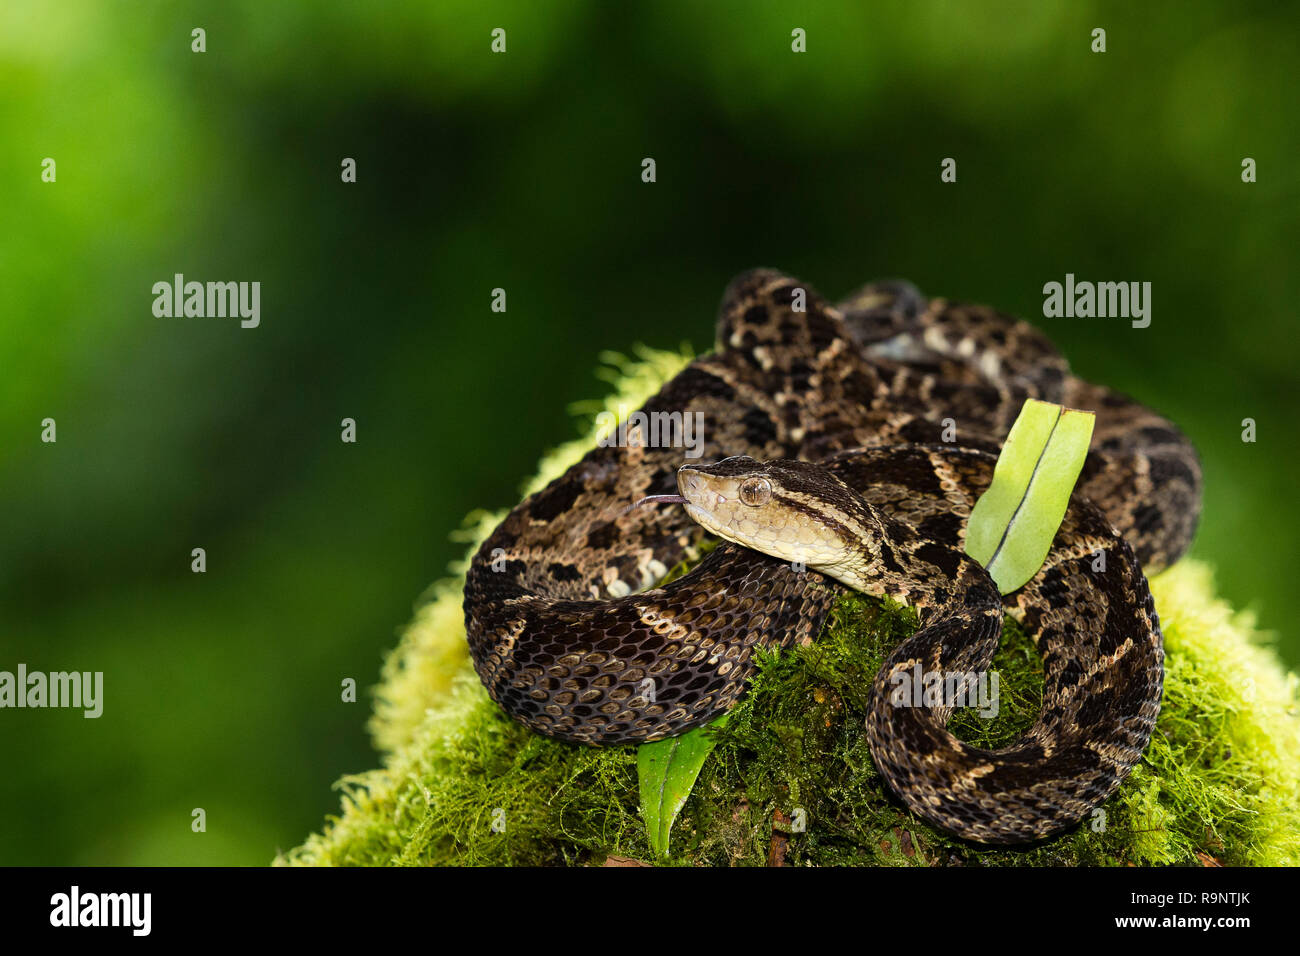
(556, 500)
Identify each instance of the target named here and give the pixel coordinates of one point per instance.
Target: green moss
(463, 784)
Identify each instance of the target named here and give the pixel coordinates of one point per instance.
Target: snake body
(874, 425)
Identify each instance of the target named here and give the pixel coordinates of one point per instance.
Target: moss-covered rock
(791, 780)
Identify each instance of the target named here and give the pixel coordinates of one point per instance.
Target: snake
(842, 448)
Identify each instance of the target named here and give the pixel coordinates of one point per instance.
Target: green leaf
(667, 770)
(1012, 525)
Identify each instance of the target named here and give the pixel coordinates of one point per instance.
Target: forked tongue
(657, 500)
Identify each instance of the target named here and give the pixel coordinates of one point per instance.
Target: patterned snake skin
(571, 637)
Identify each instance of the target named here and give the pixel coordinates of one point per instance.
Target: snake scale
(871, 426)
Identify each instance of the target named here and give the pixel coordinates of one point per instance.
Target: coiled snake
(839, 415)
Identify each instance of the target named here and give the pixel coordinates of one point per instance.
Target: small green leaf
(1012, 525)
(667, 770)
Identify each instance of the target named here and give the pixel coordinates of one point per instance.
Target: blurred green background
(522, 171)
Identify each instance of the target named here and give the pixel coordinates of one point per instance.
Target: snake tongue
(657, 500)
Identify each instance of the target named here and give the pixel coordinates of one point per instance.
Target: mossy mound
(791, 780)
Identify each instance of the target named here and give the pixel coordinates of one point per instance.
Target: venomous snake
(824, 434)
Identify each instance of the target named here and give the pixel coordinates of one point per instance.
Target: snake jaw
(805, 515)
(697, 489)
(715, 500)
(703, 499)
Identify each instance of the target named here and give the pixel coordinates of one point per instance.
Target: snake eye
(755, 491)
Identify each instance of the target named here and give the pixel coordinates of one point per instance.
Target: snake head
(791, 510)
